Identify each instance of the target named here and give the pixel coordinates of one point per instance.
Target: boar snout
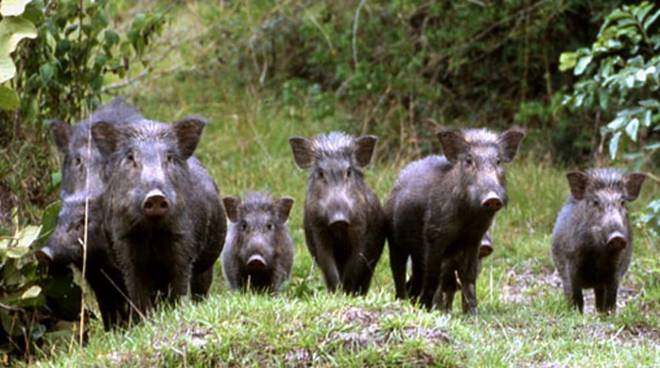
(155, 204)
(616, 241)
(45, 255)
(492, 202)
(256, 262)
(339, 220)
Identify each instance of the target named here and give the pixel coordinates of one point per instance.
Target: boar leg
(398, 261)
(181, 282)
(417, 277)
(326, 261)
(201, 283)
(469, 287)
(610, 296)
(600, 293)
(577, 299)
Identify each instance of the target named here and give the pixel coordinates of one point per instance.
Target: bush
(404, 68)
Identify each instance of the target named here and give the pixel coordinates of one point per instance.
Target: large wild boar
(163, 217)
(82, 186)
(442, 206)
(343, 219)
(592, 238)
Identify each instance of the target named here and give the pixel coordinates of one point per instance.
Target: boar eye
(269, 226)
(321, 174)
(595, 203)
(78, 161)
(468, 161)
(499, 161)
(348, 173)
(170, 158)
(243, 226)
(623, 203)
(130, 157)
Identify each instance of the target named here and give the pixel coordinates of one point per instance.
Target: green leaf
(567, 61)
(649, 21)
(27, 235)
(12, 31)
(46, 72)
(32, 292)
(7, 69)
(614, 144)
(8, 98)
(582, 64)
(12, 7)
(632, 128)
(647, 118)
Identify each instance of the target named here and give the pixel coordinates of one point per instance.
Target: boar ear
(284, 207)
(453, 144)
(364, 149)
(633, 184)
(61, 132)
(302, 152)
(188, 132)
(231, 207)
(577, 181)
(509, 143)
(106, 137)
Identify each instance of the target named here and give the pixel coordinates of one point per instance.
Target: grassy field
(522, 321)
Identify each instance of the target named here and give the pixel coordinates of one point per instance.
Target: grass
(522, 321)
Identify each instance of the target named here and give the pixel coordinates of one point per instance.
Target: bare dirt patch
(367, 330)
(525, 285)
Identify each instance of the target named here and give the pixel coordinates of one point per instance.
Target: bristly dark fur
(174, 254)
(333, 145)
(594, 213)
(265, 234)
(436, 214)
(347, 255)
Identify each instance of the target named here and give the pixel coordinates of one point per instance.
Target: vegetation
(261, 71)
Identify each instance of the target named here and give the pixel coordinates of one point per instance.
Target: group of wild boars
(440, 210)
(592, 239)
(162, 213)
(154, 223)
(259, 252)
(151, 215)
(343, 218)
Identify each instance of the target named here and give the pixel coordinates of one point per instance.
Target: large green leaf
(12, 7)
(7, 68)
(12, 31)
(8, 98)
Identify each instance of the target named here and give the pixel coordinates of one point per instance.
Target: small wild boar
(259, 251)
(343, 219)
(442, 206)
(592, 239)
(163, 217)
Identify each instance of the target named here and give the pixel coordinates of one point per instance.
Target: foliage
(59, 74)
(14, 27)
(405, 67)
(619, 76)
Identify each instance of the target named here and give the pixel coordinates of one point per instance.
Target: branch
(356, 19)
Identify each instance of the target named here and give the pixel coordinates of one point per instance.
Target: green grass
(522, 321)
